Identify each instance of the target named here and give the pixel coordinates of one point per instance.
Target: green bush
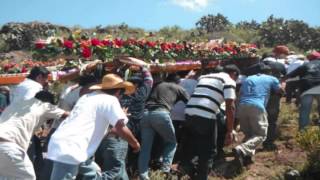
(309, 140)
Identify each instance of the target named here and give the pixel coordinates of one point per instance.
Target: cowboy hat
(113, 81)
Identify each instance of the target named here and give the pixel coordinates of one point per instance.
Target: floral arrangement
(9, 67)
(108, 48)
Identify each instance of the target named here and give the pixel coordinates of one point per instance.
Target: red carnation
(24, 69)
(86, 52)
(40, 44)
(95, 42)
(131, 41)
(151, 44)
(165, 46)
(68, 44)
(118, 42)
(106, 42)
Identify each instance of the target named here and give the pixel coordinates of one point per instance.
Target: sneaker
(238, 158)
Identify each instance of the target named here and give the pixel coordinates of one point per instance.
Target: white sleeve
(229, 89)
(52, 111)
(116, 113)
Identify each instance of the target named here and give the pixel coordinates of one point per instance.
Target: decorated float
(64, 57)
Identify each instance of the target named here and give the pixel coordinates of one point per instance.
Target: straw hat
(113, 81)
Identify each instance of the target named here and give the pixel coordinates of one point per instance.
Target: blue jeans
(157, 121)
(112, 153)
(85, 171)
(305, 109)
(63, 171)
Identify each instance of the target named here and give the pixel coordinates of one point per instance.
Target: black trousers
(273, 108)
(200, 140)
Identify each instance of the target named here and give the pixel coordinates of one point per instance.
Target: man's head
(232, 70)
(314, 55)
(45, 96)
(173, 77)
(4, 89)
(114, 85)
(281, 51)
(39, 74)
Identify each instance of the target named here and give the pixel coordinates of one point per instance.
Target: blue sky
(154, 14)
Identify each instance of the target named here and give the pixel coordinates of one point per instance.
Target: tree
(253, 25)
(211, 23)
(276, 31)
(272, 32)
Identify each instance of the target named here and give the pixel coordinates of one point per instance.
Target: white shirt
(78, 137)
(67, 101)
(177, 112)
(20, 119)
(27, 89)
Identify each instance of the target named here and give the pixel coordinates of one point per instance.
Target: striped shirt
(210, 93)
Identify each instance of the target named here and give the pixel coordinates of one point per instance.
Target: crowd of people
(105, 127)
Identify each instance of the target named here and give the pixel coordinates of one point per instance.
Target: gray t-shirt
(166, 94)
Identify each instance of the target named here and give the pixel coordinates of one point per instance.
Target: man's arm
(147, 77)
(183, 94)
(297, 72)
(230, 112)
(122, 130)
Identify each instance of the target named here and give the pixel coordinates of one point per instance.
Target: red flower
(165, 46)
(151, 44)
(86, 52)
(118, 42)
(253, 45)
(131, 41)
(68, 44)
(6, 67)
(218, 49)
(40, 44)
(24, 69)
(95, 42)
(106, 42)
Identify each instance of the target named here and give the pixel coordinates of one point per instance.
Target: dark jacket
(309, 74)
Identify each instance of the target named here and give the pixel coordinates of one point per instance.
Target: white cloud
(192, 4)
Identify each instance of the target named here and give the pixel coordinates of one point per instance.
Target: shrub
(309, 140)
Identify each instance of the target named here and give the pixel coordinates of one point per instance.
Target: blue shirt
(256, 89)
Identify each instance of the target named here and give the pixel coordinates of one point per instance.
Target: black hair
(217, 69)
(173, 77)
(231, 68)
(38, 70)
(113, 91)
(266, 69)
(45, 96)
(87, 79)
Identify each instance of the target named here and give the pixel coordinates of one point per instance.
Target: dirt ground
(267, 164)
(270, 164)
